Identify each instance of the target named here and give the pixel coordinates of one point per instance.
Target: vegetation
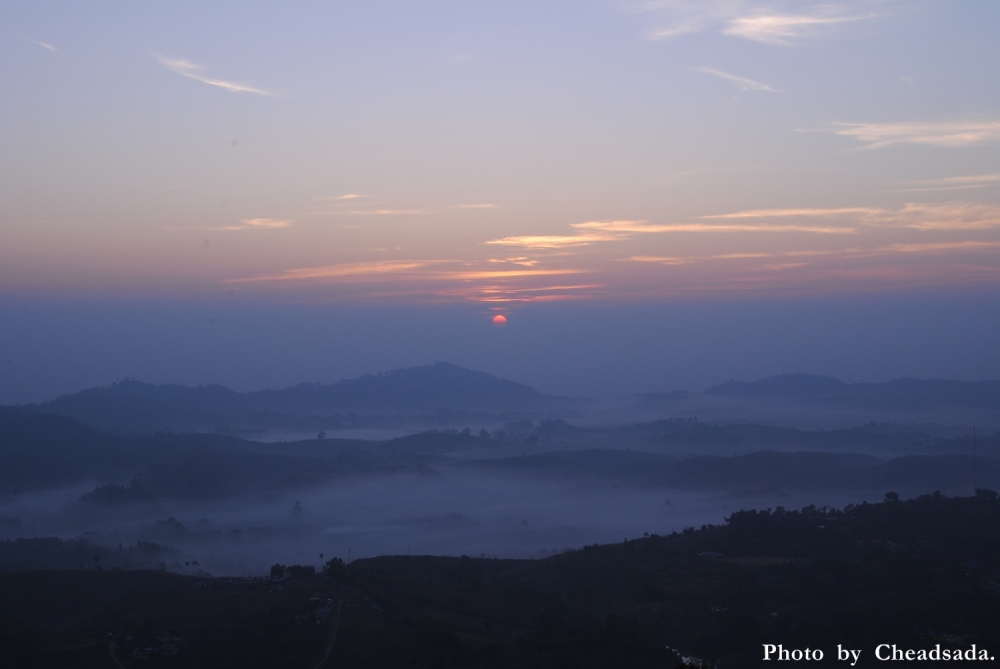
(915, 573)
(54, 553)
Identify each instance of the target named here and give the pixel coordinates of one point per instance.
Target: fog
(441, 513)
(524, 490)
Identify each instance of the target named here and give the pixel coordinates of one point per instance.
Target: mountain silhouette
(132, 405)
(903, 393)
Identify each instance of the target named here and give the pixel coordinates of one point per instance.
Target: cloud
(555, 293)
(954, 183)
(431, 279)
(640, 227)
(785, 265)
(946, 216)
(342, 271)
(390, 212)
(836, 255)
(266, 222)
(258, 224)
(682, 17)
(552, 241)
(787, 29)
(781, 213)
(44, 45)
(741, 256)
(755, 21)
(475, 206)
(661, 260)
(191, 70)
(520, 260)
(467, 275)
(592, 232)
(742, 82)
(916, 216)
(347, 196)
(946, 134)
(935, 247)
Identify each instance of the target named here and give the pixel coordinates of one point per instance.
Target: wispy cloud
(44, 45)
(475, 206)
(755, 21)
(552, 241)
(802, 212)
(346, 196)
(266, 222)
(194, 71)
(520, 260)
(742, 82)
(947, 216)
(941, 134)
(467, 275)
(909, 248)
(634, 227)
(593, 232)
(938, 247)
(433, 280)
(662, 260)
(341, 271)
(787, 29)
(916, 216)
(953, 183)
(258, 224)
(390, 212)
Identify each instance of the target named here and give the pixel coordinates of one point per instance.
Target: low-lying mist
(448, 511)
(205, 479)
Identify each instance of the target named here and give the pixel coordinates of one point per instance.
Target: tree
(333, 568)
(300, 571)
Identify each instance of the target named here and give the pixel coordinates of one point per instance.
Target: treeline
(962, 529)
(54, 553)
(915, 573)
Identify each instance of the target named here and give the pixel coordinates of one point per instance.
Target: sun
(499, 320)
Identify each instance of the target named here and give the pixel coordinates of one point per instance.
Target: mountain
(898, 394)
(425, 389)
(44, 451)
(133, 406)
(758, 472)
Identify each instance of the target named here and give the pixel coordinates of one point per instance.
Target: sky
(587, 169)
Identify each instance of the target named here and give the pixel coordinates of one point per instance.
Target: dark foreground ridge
(918, 573)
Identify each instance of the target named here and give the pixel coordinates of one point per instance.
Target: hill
(133, 406)
(919, 573)
(898, 394)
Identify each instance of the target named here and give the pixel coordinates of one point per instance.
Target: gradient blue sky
(460, 159)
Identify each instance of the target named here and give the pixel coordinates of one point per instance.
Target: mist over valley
(474, 465)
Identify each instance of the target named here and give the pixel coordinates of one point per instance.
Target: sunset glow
(399, 177)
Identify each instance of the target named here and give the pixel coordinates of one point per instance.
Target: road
(333, 637)
(114, 655)
(331, 640)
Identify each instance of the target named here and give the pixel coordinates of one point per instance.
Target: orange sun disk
(499, 320)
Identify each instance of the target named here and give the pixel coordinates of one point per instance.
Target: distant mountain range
(47, 452)
(131, 405)
(898, 394)
(446, 395)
